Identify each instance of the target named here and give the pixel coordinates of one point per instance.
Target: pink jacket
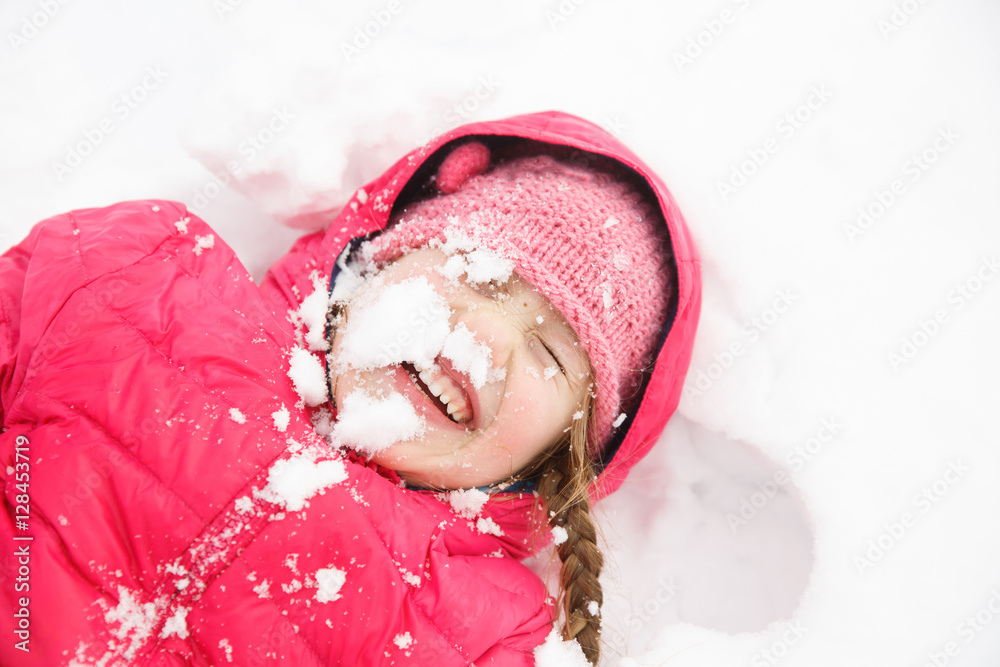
(140, 367)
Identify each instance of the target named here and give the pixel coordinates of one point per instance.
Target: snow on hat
(584, 238)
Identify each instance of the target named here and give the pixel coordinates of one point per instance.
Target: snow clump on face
(409, 321)
(469, 257)
(471, 357)
(370, 424)
(402, 322)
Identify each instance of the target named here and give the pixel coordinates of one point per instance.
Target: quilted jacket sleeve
(31, 293)
(13, 265)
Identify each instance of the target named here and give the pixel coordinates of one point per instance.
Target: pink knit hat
(582, 236)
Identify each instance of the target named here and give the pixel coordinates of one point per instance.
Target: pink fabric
(463, 163)
(123, 352)
(587, 241)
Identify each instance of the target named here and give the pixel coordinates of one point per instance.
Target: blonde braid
(564, 487)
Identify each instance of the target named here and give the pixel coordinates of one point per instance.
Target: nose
(492, 329)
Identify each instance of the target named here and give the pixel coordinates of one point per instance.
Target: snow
(454, 267)
(607, 295)
(681, 587)
(488, 526)
(484, 266)
(291, 482)
(228, 648)
(244, 504)
(131, 621)
(403, 640)
(308, 376)
(312, 314)
(559, 535)
(349, 279)
(281, 418)
(410, 578)
(263, 589)
(237, 416)
(176, 624)
(404, 321)
(394, 415)
(203, 242)
(329, 581)
(558, 653)
(467, 503)
(470, 356)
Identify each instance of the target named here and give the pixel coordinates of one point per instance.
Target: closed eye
(562, 369)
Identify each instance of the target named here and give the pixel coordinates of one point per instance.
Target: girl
(346, 464)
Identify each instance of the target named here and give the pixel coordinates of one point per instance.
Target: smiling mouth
(442, 391)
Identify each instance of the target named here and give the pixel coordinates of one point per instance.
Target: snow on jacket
(147, 420)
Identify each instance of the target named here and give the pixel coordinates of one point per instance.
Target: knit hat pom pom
(463, 163)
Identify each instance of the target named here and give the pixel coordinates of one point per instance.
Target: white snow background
(869, 532)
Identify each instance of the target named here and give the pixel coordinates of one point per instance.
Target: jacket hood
(372, 208)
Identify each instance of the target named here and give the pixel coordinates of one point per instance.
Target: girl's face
(495, 430)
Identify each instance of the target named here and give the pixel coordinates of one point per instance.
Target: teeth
(455, 406)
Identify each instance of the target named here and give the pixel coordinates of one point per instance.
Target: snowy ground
(826, 494)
